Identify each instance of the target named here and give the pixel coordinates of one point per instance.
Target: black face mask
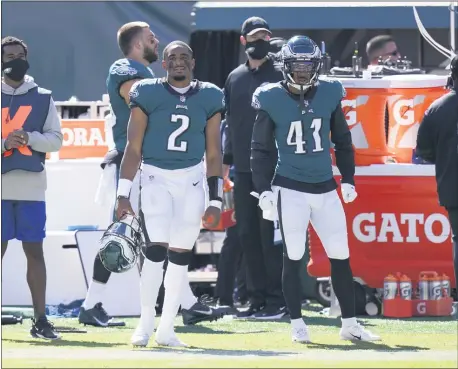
(15, 69)
(258, 49)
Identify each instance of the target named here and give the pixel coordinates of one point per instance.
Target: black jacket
(240, 115)
(437, 142)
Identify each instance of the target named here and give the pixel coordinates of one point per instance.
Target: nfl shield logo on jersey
(182, 98)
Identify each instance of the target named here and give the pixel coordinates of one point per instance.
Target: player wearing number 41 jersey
(173, 123)
(298, 115)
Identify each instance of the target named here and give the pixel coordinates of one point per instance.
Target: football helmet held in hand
(121, 244)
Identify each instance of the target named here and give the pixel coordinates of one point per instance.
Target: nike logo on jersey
(357, 337)
(195, 184)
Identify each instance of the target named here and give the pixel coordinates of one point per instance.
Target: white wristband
(216, 203)
(124, 186)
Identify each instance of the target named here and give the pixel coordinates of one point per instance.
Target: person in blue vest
(30, 129)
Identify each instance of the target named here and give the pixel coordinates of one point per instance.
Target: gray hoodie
(31, 186)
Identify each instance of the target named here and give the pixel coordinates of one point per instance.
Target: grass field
(410, 343)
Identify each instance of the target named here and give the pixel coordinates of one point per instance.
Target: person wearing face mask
(263, 259)
(30, 129)
(139, 45)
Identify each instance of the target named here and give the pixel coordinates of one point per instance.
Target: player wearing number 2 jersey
(173, 123)
(299, 115)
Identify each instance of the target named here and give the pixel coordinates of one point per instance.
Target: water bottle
(435, 288)
(405, 288)
(228, 194)
(11, 319)
(390, 287)
(446, 286)
(423, 287)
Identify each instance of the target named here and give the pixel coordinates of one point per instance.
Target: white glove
(267, 205)
(349, 193)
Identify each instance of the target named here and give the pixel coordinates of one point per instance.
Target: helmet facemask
(301, 74)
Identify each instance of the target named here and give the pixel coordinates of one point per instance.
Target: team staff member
(437, 142)
(30, 129)
(263, 259)
(231, 265)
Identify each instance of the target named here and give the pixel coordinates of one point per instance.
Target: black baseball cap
(253, 25)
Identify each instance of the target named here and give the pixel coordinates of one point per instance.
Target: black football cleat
(200, 312)
(97, 316)
(43, 328)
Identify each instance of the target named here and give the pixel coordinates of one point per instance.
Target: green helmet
(120, 245)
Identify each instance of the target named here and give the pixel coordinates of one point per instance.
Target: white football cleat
(144, 331)
(357, 333)
(170, 340)
(300, 335)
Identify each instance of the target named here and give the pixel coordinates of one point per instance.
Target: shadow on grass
(202, 329)
(369, 346)
(218, 352)
(309, 320)
(64, 342)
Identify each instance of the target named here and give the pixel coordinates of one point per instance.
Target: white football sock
(94, 294)
(150, 283)
(187, 298)
(297, 323)
(348, 322)
(173, 284)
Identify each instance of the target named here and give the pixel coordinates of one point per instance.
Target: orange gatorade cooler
(364, 107)
(410, 96)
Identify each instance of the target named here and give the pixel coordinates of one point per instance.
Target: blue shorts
(23, 220)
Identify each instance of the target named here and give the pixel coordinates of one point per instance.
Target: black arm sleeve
(343, 146)
(426, 148)
(262, 149)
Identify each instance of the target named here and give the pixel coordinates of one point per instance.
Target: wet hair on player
(176, 43)
(127, 33)
(10, 41)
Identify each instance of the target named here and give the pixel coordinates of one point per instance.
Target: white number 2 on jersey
(296, 136)
(172, 143)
